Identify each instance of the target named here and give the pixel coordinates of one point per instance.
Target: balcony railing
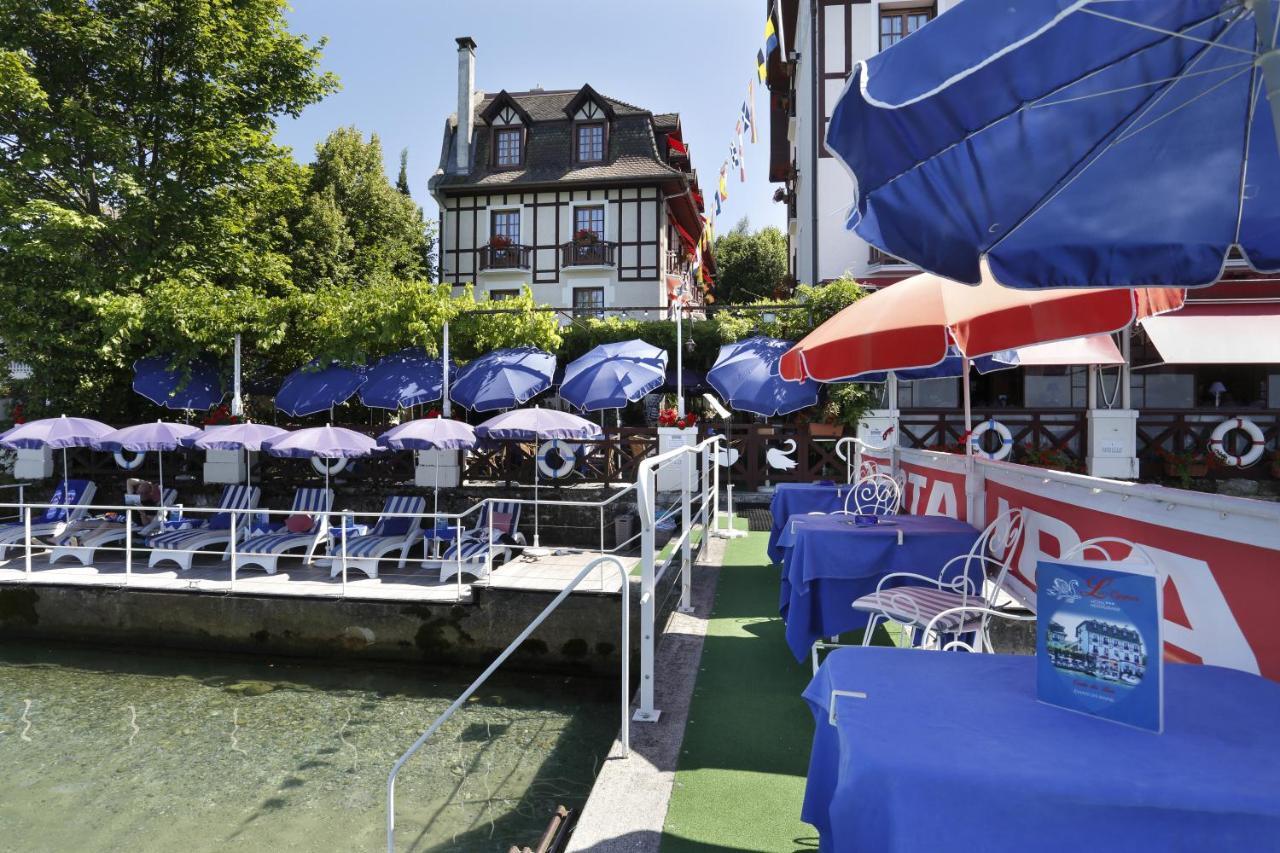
(598, 254)
(506, 257)
(677, 262)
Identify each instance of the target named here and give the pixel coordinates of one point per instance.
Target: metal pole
(680, 361)
(686, 525)
(646, 713)
(446, 406)
(1264, 14)
(128, 539)
(236, 408)
(968, 410)
(1126, 384)
(26, 529)
(346, 522)
(235, 529)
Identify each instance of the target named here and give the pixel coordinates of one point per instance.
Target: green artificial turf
(740, 780)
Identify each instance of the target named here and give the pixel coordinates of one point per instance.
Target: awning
(1218, 333)
(1095, 349)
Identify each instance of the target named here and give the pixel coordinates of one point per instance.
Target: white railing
(625, 732)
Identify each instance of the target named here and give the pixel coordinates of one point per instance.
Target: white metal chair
(878, 494)
(956, 607)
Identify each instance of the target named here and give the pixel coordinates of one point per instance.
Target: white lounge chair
(180, 546)
(80, 541)
(265, 549)
(387, 535)
(68, 505)
(498, 526)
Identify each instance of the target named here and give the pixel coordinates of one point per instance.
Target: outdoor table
(950, 750)
(831, 561)
(799, 499)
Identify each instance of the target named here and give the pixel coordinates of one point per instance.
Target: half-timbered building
(589, 200)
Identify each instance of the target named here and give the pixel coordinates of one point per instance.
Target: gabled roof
(636, 144)
(501, 101)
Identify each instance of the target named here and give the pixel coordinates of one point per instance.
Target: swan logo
(1065, 590)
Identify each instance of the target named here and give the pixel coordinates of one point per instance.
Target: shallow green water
(110, 750)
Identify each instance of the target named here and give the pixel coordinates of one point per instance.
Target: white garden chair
(878, 494)
(937, 606)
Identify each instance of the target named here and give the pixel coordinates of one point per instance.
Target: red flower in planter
(433, 413)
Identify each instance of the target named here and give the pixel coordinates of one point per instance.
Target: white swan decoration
(728, 457)
(779, 459)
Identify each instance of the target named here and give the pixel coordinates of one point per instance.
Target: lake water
(103, 750)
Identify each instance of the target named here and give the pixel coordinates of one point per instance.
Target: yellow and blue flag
(770, 35)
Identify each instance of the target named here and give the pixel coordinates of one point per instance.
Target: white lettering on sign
(1211, 632)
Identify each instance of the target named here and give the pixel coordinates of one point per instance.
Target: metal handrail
(625, 734)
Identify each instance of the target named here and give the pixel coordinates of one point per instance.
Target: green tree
(136, 154)
(750, 266)
(402, 179)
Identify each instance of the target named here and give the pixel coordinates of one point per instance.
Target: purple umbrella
(57, 434)
(247, 436)
(533, 425)
(158, 436)
(430, 434)
(326, 442)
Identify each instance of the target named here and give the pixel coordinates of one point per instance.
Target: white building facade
(588, 200)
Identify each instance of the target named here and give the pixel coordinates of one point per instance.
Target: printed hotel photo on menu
(691, 426)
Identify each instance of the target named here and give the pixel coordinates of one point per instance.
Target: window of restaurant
(505, 293)
(897, 24)
(507, 145)
(590, 147)
(588, 302)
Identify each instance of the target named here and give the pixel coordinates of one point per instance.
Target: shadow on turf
(652, 841)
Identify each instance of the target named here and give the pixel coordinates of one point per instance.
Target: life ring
(1257, 442)
(1006, 439)
(565, 451)
(130, 464)
(329, 466)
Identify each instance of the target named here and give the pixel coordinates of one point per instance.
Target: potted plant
(1186, 465)
(830, 423)
(499, 241)
(585, 237)
(1053, 458)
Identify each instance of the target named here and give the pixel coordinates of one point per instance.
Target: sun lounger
(498, 528)
(265, 549)
(68, 505)
(80, 541)
(179, 546)
(389, 534)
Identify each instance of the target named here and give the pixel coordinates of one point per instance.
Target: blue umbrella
(197, 386)
(745, 376)
(612, 375)
(534, 425)
(1082, 144)
(312, 389)
(158, 436)
(503, 379)
(430, 434)
(57, 434)
(326, 442)
(402, 380)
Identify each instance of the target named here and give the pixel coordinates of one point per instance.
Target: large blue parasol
(1071, 143)
(613, 375)
(503, 379)
(745, 376)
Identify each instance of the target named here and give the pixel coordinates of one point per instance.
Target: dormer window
(591, 142)
(508, 123)
(591, 117)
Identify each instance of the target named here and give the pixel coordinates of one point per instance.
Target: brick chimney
(466, 102)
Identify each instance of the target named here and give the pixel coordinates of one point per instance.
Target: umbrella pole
(160, 463)
(435, 506)
(968, 411)
(536, 544)
(65, 479)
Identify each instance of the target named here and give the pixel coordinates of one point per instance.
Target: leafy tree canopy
(751, 266)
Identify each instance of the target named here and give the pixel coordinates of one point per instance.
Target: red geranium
(669, 418)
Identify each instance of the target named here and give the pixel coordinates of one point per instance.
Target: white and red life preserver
(1006, 439)
(1257, 445)
(130, 464)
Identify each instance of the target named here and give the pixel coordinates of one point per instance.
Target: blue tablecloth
(797, 499)
(951, 751)
(830, 562)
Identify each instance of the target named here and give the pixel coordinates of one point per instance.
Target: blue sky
(397, 62)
